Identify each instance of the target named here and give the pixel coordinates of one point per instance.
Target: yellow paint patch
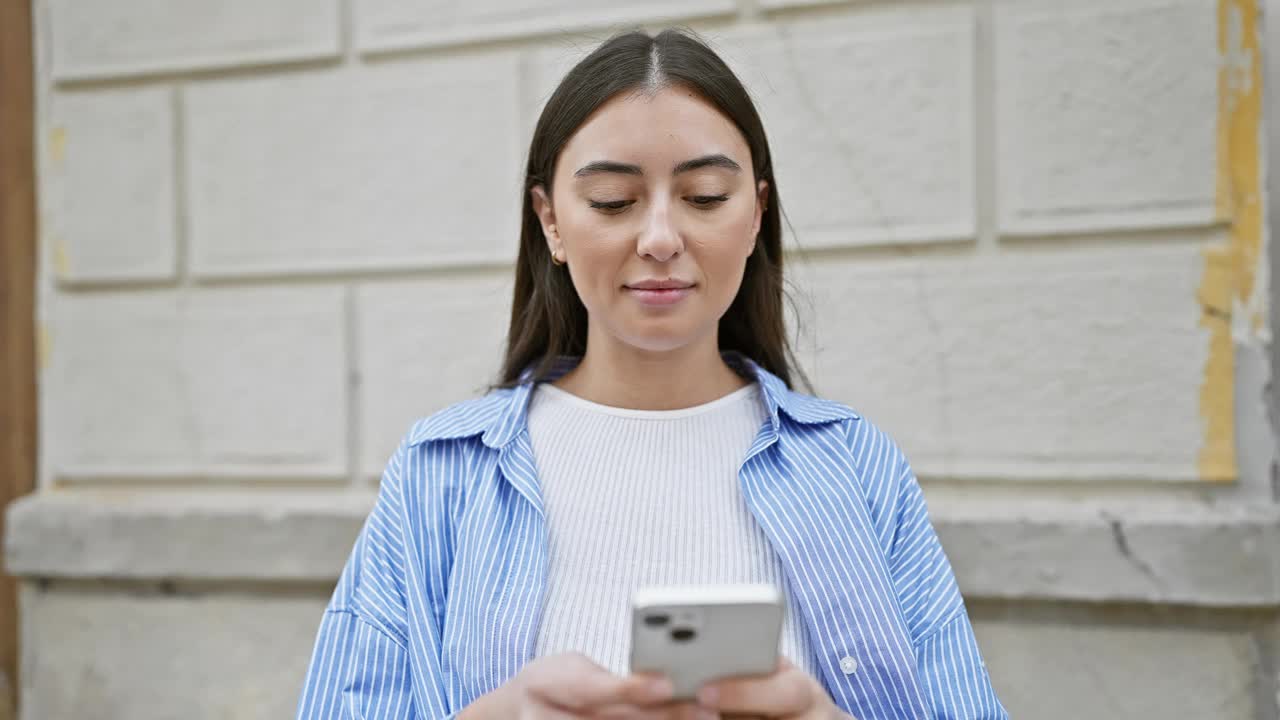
(58, 144)
(43, 347)
(61, 260)
(1231, 271)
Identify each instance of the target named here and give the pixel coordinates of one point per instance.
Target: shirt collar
(779, 400)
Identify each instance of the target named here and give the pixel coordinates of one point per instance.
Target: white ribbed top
(644, 497)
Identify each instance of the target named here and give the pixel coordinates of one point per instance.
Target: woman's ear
(546, 216)
(762, 204)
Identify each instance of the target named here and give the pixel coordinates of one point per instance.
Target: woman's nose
(659, 239)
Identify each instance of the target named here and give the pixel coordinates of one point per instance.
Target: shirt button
(848, 665)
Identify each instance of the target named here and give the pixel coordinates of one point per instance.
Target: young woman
(645, 433)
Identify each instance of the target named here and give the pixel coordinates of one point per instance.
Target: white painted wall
(254, 220)
(275, 233)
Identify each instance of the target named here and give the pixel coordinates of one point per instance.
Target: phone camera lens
(683, 634)
(656, 620)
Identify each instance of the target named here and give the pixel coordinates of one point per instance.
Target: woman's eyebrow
(608, 166)
(716, 160)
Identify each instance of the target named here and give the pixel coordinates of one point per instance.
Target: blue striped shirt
(439, 601)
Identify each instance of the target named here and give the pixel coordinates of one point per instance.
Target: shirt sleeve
(357, 671)
(951, 669)
(364, 665)
(954, 676)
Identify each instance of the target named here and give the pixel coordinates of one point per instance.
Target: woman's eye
(610, 206)
(617, 206)
(706, 201)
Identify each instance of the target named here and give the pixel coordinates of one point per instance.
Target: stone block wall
(1026, 239)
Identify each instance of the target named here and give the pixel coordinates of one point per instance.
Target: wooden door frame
(17, 297)
(1271, 132)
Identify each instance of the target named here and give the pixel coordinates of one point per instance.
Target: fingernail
(661, 688)
(708, 696)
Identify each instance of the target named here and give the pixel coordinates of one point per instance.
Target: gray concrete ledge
(172, 535)
(1218, 557)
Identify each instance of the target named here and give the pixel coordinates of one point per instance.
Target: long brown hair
(548, 320)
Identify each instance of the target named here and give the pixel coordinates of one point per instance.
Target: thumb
(576, 683)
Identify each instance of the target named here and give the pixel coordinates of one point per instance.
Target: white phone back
(711, 632)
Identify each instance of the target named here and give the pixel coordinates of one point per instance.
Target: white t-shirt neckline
(635, 414)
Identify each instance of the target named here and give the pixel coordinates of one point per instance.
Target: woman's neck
(615, 374)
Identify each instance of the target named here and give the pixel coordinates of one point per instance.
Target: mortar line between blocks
(986, 161)
(353, 383)
(181, 219)
(749, 11)
(347, 32)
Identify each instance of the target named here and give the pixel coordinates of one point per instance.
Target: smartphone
(694, 634)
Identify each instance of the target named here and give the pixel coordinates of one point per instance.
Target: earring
(555, 258)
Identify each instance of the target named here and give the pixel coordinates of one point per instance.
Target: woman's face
(655, 210)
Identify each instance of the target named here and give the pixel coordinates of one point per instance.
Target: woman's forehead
(649, 128)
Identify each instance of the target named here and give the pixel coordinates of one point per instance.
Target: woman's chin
(658, 342)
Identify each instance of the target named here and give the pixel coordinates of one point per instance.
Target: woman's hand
(570, 686)
(788, 694)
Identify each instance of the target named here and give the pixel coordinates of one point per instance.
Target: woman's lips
(665, 296)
